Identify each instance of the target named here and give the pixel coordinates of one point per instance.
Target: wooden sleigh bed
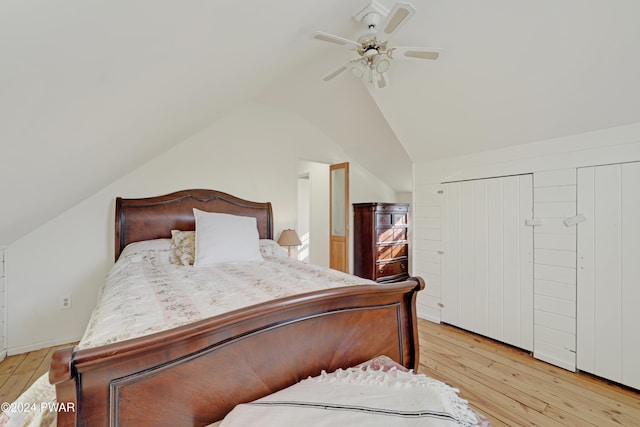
(195, 374)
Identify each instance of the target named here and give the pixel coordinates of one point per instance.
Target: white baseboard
(431, 319)
(428, 313)
(45, 344)
(3, 355)
(554, 361)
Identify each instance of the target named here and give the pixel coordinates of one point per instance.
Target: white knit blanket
(354, 397)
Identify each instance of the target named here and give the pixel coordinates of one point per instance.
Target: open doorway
(313, 210)
(304, 212)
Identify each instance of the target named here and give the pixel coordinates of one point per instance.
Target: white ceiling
(91, 89)
(514, 72)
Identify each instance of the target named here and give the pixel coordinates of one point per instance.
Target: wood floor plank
(506, 407)
(13, 386)
(571, 398)
(3, 380)
(583, 402)
(488, 373)
(523, 385)
(587, 402)
(22, 376)
(9, 365)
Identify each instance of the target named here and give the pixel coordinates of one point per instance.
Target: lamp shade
(289, 238)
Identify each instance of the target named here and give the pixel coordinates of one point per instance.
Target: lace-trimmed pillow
(183, 247)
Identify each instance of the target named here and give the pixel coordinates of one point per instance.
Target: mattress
(145, 293)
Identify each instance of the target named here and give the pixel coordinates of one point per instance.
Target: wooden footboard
(195, 374)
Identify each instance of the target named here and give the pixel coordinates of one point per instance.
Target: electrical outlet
(65, 301)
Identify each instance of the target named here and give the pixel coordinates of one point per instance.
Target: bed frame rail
(195, 374)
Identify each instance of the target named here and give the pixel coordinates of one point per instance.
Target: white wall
(252, 153)
(620, 144)
(304, 212)
(363, 187)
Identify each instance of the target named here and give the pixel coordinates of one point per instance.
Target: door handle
(573, 220)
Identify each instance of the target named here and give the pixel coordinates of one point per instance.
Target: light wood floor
(514, 389)
(18, 372)
(506, 384)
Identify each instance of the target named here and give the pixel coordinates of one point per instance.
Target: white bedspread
(144, 294)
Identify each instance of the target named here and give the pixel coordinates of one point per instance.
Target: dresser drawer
(388, 252)
(392, 207)
(399, 219)
(391, 218)
(393, 234)
(391, 269)
(383, 219)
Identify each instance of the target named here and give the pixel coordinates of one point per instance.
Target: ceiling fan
(374, 56)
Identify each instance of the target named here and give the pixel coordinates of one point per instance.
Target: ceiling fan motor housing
(371, 51)
(371, 20)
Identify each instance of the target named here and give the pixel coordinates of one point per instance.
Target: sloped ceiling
(513, 72)
(89, 90)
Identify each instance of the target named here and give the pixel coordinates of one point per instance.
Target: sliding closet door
(609, 272)
(488, 285)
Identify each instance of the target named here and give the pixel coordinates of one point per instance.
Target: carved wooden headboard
(154, 217)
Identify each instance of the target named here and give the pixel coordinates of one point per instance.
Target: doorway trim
(339, 216)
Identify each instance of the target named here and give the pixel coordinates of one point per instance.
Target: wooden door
(608, 319)
(487, 287)
(339, 217)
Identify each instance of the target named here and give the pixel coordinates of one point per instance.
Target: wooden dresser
(381, 248)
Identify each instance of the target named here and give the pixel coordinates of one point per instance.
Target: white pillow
(225, 238)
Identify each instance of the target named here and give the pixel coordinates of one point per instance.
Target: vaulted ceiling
(83, 82)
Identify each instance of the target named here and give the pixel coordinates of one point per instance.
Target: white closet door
(488, 285)
(608, 335)
(554, 270)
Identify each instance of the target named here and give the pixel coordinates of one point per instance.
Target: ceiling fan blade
(338, 71)
(397, 17)
(330, 38)
(414, 53)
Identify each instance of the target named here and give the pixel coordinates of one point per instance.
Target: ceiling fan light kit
(359, 67)
(374, 57)
(380, 64)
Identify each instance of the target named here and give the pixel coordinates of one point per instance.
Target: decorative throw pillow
(225, 238)
(269, 247)
(183, 245)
